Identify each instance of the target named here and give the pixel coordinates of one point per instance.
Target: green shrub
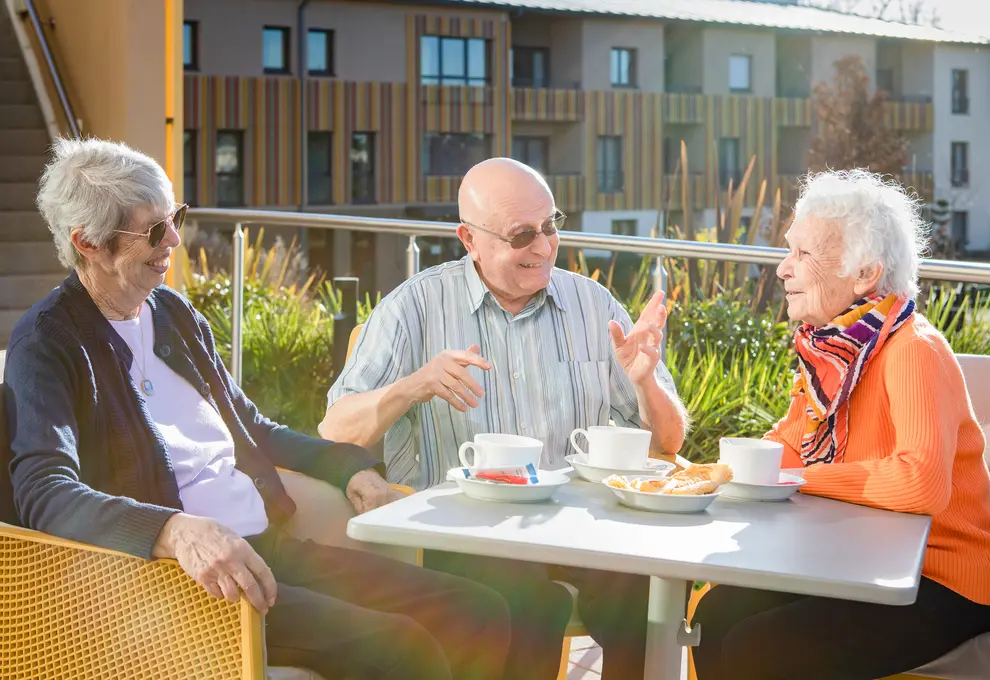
(964, 319)
(729, 394)
(287, 349)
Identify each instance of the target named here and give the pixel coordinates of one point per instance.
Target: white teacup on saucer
(615, 448)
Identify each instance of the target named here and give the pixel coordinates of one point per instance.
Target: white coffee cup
(616, 448)
(501, 450)
(752, 461)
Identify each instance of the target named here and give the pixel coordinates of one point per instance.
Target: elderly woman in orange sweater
(880, 416)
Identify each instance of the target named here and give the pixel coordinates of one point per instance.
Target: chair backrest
(976, 371)
(352, 340)
(7, 512)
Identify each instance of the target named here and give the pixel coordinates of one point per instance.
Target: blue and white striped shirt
(553, 366)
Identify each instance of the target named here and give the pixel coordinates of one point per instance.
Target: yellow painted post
(174, 128)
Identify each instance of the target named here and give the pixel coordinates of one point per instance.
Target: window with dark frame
(533, 151)
(189, 193)
(454, 61)
(530, 67)
(960, 164)
(624, 227)
(623, 67)
(319, 170)
(275, 49)
(740, 73)
(729, 165)
(362, 167)
(453, 154)
(230, 168)
(671, 156)
(885, 80)
(960, 229)
(319, 52)
(960, 91)
(190, 45)
(610, 175)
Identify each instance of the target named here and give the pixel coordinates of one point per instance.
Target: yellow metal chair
(971, 660)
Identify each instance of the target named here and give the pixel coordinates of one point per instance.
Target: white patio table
(806, 545)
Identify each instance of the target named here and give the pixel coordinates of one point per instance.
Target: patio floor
(586, 660)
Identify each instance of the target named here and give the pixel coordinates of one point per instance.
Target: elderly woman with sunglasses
(502, 341)
(879, 416)
(128, 433)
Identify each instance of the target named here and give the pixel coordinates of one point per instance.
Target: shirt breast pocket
(586, 391)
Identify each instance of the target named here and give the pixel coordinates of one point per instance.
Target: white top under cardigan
(198, 441)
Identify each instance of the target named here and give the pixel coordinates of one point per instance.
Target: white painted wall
(599, 36)
(600, 222)
(973, 128)
(721, 43)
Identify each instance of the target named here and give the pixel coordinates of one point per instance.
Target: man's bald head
(498, 186)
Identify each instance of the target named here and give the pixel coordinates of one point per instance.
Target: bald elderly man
(502, 341)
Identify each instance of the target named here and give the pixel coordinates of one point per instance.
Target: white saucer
(662, 502)
(593, 473)
(550, 481)
(781, 491)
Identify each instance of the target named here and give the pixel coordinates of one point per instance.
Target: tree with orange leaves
(850, 124)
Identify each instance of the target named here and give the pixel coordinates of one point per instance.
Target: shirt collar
(477, 290)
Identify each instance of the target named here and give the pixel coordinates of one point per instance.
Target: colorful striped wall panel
(546, 104)
(910, 116)
(793, 112)
(683, 108)
(567, 192)
(458, 109)
(263, 109)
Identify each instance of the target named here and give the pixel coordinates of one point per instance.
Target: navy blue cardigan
(88, 463)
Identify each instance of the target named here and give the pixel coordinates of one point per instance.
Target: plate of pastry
(690, 490)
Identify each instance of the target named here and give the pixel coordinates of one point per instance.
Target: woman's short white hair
(97, 185)
(880, 222)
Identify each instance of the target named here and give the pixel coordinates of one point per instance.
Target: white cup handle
(463, 450)
(574, 443)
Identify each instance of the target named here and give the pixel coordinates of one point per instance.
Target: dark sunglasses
(524, 238)
(157, 231)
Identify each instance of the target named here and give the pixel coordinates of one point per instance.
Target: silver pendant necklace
(147, 387)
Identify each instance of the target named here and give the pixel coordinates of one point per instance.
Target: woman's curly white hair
(880, 222)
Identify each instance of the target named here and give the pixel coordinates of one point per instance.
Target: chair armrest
(69, 607)
(322, 514)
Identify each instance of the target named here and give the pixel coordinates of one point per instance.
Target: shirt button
(515, 376)
(259, 482)
(205, 390)
(164, 351)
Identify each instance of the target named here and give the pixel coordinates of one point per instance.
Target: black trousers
(612, 606)
(356, 615)
(759, 635)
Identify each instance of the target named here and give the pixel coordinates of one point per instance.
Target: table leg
(668, 602)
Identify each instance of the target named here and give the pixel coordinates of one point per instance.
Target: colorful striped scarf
(831, 360)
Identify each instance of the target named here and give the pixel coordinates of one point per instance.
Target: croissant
(697, 480)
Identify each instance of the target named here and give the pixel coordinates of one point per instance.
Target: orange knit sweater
(914, 446)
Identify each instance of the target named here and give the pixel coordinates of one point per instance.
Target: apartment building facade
(389, 103)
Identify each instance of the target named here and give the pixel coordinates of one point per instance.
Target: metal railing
(53, 73)
(942, 270)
